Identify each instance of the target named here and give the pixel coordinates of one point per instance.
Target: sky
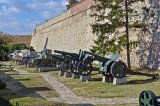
(20, 17)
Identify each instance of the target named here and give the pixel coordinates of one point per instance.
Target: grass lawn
(30, 70)
(31, 83)
(96, 88)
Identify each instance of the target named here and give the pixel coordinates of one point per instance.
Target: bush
(10, 98)
(28, 101)
(2, 85)
(6, 92)
(5, 50)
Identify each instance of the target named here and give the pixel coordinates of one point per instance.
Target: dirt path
(67, 96)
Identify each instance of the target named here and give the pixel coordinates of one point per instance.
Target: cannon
(61, 63)
(72, 60)
(30, 55)
(14, 55)
(148, 98)
(68, 57)
(108, 66)
(44, 59)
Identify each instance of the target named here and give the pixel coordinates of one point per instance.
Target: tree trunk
(127, 35)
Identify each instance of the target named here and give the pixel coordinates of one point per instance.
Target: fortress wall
(71, 31)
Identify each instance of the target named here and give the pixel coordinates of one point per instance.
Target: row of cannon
(81, 63)
(77, 63)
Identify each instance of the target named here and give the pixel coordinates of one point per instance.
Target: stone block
(19, 63)
(74, 76)
(107, 79)
(44, 69)
(85, 78)
(61, 73)
(29, 65)
(67, 74)
(117, 81)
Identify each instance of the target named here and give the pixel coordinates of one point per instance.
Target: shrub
(5, 50)
(2, 85)
(0, 80)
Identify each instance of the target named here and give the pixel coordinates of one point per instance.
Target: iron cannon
(44, 59)
(108, 66)
(68, 58)
(72, 60)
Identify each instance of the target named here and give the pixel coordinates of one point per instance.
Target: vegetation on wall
(111, 16)
(71, 3)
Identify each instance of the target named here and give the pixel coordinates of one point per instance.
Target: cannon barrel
(97, 57)
(66, 53)
(56, 57)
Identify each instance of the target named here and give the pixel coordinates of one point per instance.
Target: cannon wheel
(65, 66)
(73, 68)
(84, 68)
(147, 98)
(106, 74)
(118, 69)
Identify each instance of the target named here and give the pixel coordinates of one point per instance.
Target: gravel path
(67, 96)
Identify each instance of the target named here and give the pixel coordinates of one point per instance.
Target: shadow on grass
(96, 79)
(141, 81)
(81, 104)
(19, 88)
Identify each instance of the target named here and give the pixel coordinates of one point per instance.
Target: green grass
(30, 70)
(125, 104)
(96, 88)
(9, 97)
(31, 82)
(27, 101)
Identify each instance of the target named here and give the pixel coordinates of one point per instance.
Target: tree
(71, 2)
(111, 16)
(5, 37)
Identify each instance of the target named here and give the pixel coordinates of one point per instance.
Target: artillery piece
(108, 66)
(30, 55)
(68, 58)
(15, 55)
(148, 98)
(44, 59)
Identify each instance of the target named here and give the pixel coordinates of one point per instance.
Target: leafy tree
(5, 37)
(6, 49)
(71, 2)
(111, 16)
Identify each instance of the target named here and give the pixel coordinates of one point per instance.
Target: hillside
(21, 39)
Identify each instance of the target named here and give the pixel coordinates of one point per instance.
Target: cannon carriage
(69, 59)
(108, 66)
(44, 59)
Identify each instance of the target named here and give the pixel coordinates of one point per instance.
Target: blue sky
(20, 17)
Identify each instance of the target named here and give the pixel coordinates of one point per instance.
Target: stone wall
(71, 31)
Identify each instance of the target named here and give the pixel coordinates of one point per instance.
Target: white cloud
(14, 26)
(49, 5)
(64, 2)
(12, 10)
(46, 14)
